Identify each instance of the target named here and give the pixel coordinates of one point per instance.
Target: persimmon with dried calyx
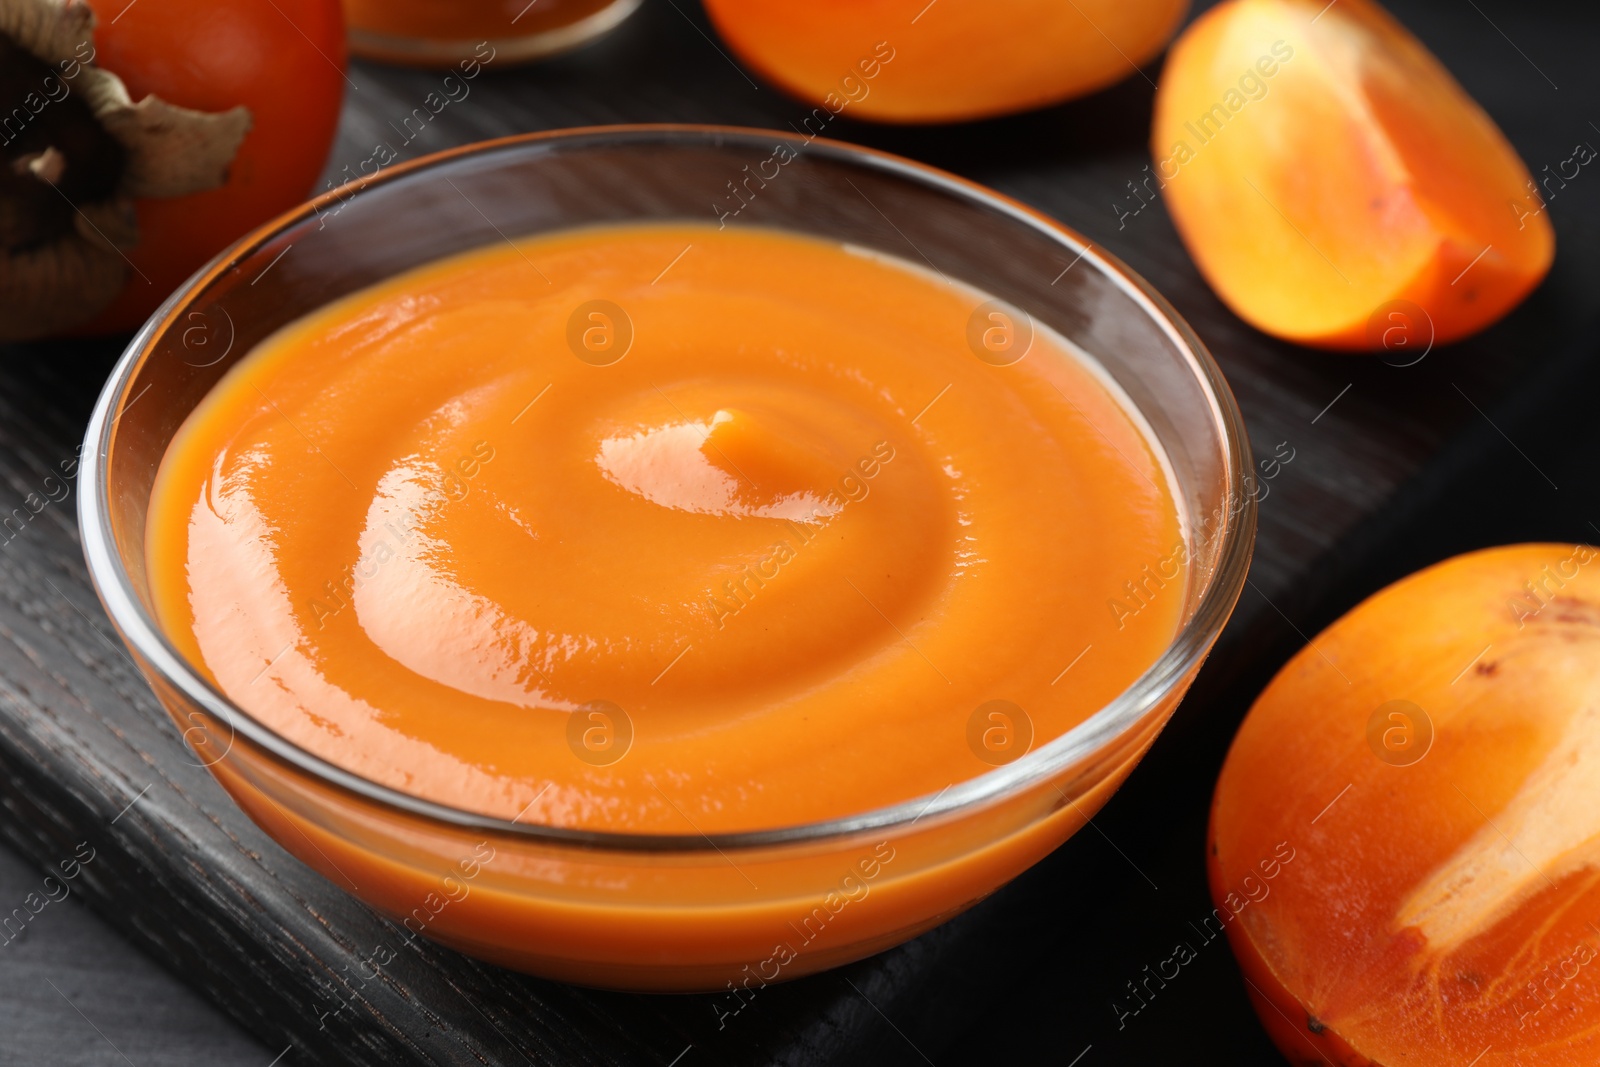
(912, 61)
(139, 140)
(1324, 169)
(1433, 758)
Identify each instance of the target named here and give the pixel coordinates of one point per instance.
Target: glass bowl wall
(669, 912)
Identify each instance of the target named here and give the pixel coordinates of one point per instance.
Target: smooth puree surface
(765, 502)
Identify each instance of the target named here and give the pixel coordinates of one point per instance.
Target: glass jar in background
(441, 33)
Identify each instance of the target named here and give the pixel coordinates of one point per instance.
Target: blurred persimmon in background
(444, 33)
(283, 61)
(912, 61)
(143, 138)
(1321, 165)
(1430, 764)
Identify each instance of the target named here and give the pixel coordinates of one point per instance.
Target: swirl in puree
(664, 529)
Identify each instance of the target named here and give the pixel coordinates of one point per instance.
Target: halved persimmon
(1433, 761)
(945, 61)
(1325, 170)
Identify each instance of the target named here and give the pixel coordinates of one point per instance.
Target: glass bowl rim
(1091, 737)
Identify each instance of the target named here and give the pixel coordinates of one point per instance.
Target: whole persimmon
(1334, 183)
(912, 61)
(143, 138)
(1431, 761)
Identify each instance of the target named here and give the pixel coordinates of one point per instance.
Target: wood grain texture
(184, 875)
(74, 994)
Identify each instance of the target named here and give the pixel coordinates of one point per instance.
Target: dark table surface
(1393, 466)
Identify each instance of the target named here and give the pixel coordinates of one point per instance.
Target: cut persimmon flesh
(1322, 167)
(950, 60)
(1433, 760)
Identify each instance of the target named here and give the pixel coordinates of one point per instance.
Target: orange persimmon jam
(662, 528)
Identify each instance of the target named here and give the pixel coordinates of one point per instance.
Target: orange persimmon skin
(1438, 907)
(909, 61)
(284, 61)
(1319, 170)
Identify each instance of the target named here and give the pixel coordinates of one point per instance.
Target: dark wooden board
(74, 994)
(1031, 974)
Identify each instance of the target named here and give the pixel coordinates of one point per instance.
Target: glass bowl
(669, 912)
(444, 33)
